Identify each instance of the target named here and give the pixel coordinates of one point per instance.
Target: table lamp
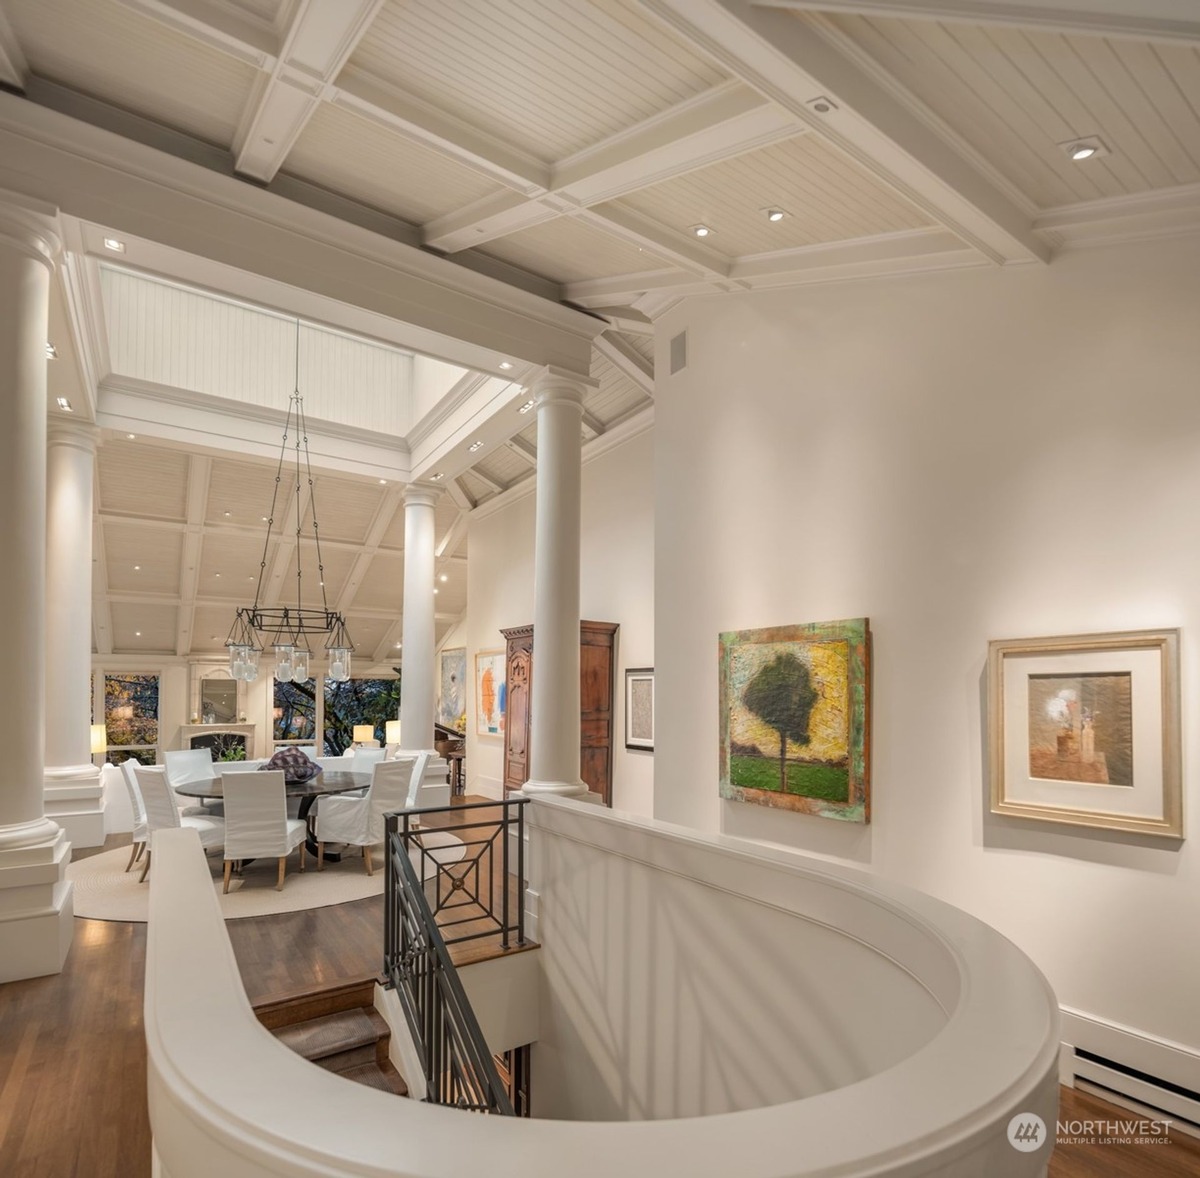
(391, 732)
(99, 739)
(364, 734)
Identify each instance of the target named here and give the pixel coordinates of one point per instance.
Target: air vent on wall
(679, 352)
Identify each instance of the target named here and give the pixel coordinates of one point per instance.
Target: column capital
(553, 385)
(31, 226)
(71, 431)
(422, 494)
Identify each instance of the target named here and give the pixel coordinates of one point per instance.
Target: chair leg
(282, 870)
(301, 856)
(228, 873)
(145, 870)
(141, 850)
(367, 860)
(320, 856)
(133, 854)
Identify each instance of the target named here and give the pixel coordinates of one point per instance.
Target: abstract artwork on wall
(452, 687)
(490, 694)
(1085, 730)
(794, 722)
(639, 708)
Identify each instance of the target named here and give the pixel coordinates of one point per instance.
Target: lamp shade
(99, 738)
(363, 733)
(392, 731)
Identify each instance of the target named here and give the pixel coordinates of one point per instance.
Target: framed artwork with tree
(795, 718)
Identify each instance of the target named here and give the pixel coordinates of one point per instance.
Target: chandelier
(287, 629)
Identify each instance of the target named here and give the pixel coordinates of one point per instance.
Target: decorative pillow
(295, 765)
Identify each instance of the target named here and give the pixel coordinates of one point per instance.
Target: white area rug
(104, 892)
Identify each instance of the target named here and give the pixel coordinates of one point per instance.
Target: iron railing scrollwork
(459, 1068)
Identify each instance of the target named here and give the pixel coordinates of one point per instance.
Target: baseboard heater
(1150, 1094)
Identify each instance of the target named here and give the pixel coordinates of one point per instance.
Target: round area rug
(104, 892)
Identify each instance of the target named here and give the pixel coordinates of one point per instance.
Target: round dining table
(327, 782)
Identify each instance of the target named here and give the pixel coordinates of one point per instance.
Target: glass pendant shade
(284, 654)
(250, 664)
(339, 663)
(300, 665)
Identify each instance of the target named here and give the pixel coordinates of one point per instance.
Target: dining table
(324, 784)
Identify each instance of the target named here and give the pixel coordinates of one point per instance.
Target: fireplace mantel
(187, 731)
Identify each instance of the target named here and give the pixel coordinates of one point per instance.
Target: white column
(554, 702)
(417, 689)
(35, 898)
(74, 797)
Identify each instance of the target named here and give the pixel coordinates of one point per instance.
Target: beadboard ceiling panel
(362, 159)
(367, 634)
(451, 594)
(568, 250)
(141, 627)
(210, 627)
(1016, 94)
(338, 563)
(229, 565)
(383, 585)
(141, 558)
(504, 466)
(242, 492)
(140, 479)
(826, 197)
(642, 344)
(617, 397)
(265, 10)
(548, 76)
(345, 508)
(115, 53)
(476, 487)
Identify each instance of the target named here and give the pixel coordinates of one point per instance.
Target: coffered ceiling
(576, 150)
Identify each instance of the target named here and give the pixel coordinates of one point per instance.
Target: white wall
(959, 457)
(617, 585)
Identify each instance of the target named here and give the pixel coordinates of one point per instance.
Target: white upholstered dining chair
(358, 822)
(139, 811)
(162, 814)
(256, 822)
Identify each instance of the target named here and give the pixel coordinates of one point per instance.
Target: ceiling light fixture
(775, 215)
(131, 437)
(51, 351)
(526, 407)
(701, 230)
(475, 446)
(383, 482)
(437, 478)
(137, 633)
(506, 365)
(65, 405)
(443, 578)
(115, 244)
(287, 628)
(1088, 148)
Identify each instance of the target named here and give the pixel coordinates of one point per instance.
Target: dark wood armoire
(597, 663)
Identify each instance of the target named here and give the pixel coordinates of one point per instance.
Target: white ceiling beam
(648, 234)
(626, 359)
(592, 423)
(630, 320)
(794, 63)
(14, 69)
(596, 292)
(391, 502)
(1144, 20)
(199, 476)
(320, 40)
(487, 480)
(454, 533)
(387, 644)
(727, 120)
(218, 25)
(424, 123)
(523, 449)
(462, 498)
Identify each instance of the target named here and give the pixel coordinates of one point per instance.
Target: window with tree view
(131, 717)
(358, 701)
(295, 712)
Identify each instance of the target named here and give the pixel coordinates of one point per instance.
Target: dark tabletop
(331, 781)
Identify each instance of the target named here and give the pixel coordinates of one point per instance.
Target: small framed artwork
(452, 688)
(490, 694)
(795, 718)
(1085, 730)
(639, 708)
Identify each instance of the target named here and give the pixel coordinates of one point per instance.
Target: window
(131, 717)
(358, 701)
(295, 713)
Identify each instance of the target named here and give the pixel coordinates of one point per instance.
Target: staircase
(338, 1029)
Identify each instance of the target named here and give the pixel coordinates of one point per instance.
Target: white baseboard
(1126, 1047)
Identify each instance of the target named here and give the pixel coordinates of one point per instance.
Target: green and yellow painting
(794, 722)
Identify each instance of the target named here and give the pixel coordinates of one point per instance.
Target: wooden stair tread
(343, 1030)
(382, 1076)
(288, 1009)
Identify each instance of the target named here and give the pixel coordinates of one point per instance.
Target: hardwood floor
(73, 1057)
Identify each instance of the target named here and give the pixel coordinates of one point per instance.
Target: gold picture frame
(1084, 730)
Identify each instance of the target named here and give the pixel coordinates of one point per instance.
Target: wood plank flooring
(73, 1057)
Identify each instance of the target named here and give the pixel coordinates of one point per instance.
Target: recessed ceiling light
(437, 478)
(505, 364)
(137, 633)
(65, 405)
(264, 519)
(443, 578)
(137, 568)
(131, 437)
(115, 244)
(212, 638)
(228, 513)
(217, 575)
(701, 230)
(383, 482)
(526, 407)
(774, 214)
(435, 592)
(398, 645)
(1084, 149)
(51, 351)
(475, 446)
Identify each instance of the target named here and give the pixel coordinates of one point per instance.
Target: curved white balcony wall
(226, 1098)
(176, 337)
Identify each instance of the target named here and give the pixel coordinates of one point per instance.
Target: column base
(36, 904)
(74, 798)
(564, 789)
